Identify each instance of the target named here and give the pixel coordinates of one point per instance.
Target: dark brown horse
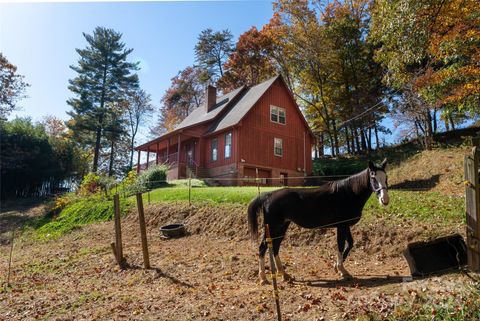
(333, 204)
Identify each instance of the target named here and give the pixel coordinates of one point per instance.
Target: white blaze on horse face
(383, 197)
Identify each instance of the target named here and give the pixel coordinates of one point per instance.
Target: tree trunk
(131, 153)
(363, 139)
(376, 136)
(451, 121)
(335, 137)
(96, 151)
(434, 120)
(347, 140)
(112, 154)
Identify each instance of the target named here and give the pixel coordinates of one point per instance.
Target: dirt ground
(211, 274)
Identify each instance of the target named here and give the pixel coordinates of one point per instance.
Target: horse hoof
(287, 277)
(347, 277)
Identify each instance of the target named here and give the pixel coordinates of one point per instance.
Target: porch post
(138, 162)
(178, 149)
(168, 149)
(156, 158)
(148, 155)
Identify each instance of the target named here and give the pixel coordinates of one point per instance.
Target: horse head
(378, 181)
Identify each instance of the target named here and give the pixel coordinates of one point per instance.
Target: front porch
(178, 150)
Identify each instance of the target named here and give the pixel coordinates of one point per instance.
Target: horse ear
(371, 165)
(384, 164)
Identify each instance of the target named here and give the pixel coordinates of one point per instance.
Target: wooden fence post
(143, 231)
(273, 271)
(118, 231)
(10, 258)
(472, 200)
(190, 189)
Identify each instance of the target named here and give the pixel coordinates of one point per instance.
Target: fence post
(143, 231)
(10, 258)
(118, 231)
(273, 271)
(472, 200)
(190, 189)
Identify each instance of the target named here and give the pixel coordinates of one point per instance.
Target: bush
(153, 177)
(90, 184)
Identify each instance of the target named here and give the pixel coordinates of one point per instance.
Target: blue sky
(40, 39)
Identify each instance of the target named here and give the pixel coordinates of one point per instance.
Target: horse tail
(253, 208)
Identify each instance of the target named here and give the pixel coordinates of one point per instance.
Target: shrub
(154, 177)
(90, 184)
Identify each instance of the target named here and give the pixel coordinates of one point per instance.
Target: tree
(211, 52)
(12, 87)
(431, 53)
(184, 94)
(138, 106)
(104, 76)
(322, 52)
(249, 63)
(54, 126)
(34, 162)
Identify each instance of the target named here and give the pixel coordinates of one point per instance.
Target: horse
(333, 204)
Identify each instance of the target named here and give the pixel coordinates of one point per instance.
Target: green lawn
(403, 204)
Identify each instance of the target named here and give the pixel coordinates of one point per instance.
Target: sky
(40, 39)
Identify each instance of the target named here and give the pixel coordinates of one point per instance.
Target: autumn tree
(12, 87)
(249, 63)
(330, 68)
(185, 93)
(430, 49)
(104, 75)
(211, 52)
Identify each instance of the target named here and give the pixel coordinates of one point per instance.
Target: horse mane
(356, 183)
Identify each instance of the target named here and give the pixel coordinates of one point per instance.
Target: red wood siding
(221, 160)
(257, 133)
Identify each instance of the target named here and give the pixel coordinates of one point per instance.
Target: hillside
(439, 170)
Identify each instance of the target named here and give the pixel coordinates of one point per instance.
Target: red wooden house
(250, 131)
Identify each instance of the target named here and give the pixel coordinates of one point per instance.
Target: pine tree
(103, 77)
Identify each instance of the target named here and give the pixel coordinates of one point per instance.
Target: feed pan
(173, 230)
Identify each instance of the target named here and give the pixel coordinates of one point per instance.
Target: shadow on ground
(412, 185)
(362, 281)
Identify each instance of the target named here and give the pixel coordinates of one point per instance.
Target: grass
(425, 206)
(239, 195)
(78, 212)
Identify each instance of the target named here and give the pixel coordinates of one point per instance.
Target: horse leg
(261, 262)
(349, 243)
(341, 237)
(276, 249)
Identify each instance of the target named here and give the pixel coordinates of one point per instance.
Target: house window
(214, 151)
(278, 147)
(277, 114)
(228, 145)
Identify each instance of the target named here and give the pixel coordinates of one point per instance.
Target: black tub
(173, 230)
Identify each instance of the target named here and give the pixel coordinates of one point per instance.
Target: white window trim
(274, 147)
(272, 107)
(212, 159)
(225, 147)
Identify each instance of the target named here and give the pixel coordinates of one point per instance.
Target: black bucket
(436, 256)
(173, 230)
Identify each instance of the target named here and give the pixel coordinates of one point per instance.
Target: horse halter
(374, 183)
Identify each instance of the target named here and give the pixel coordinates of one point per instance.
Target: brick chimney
(210, 97)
